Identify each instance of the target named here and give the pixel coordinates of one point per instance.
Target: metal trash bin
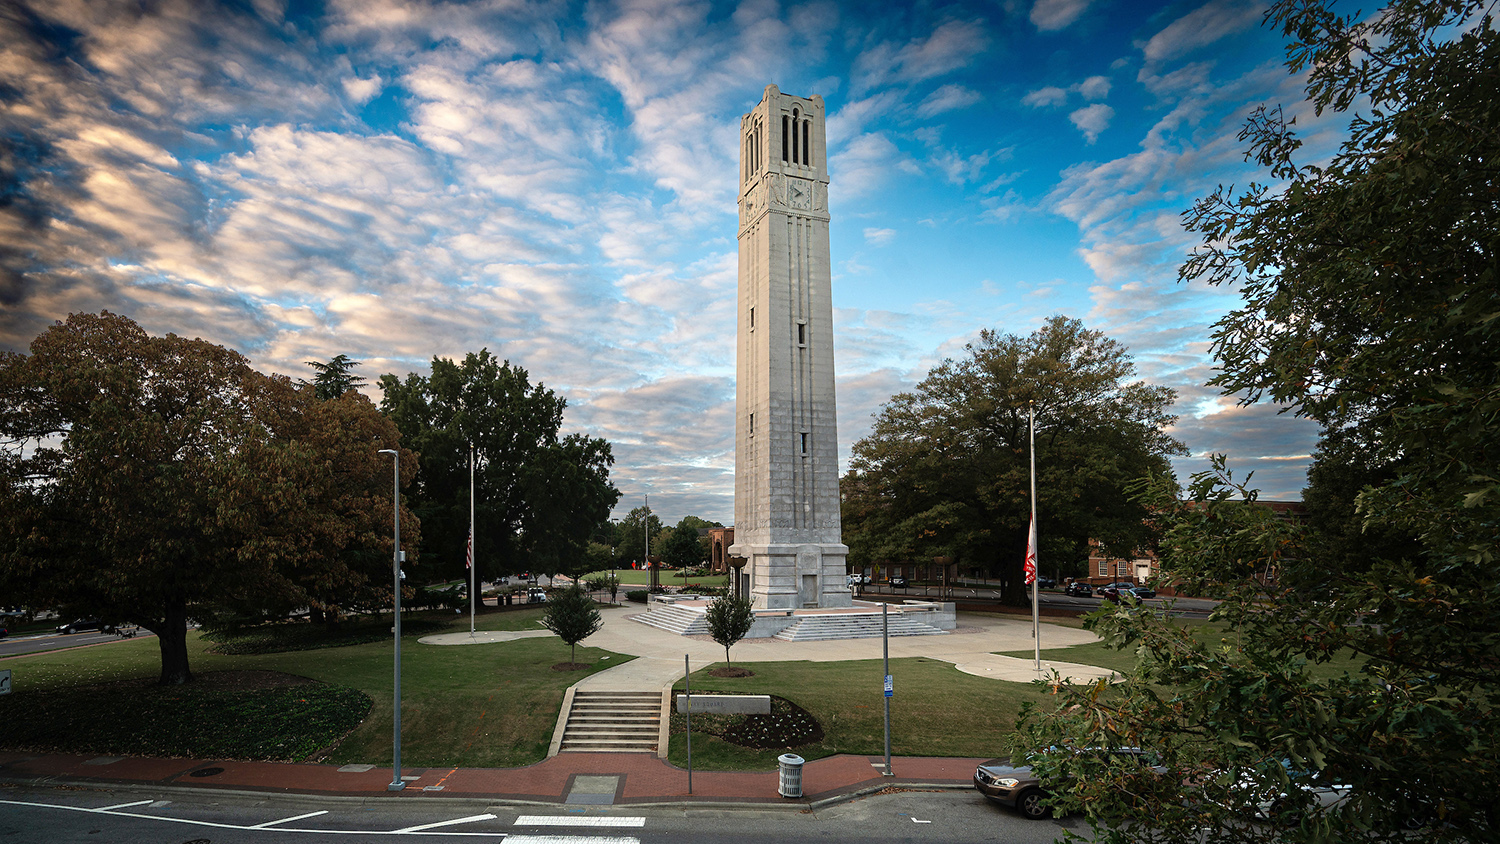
(791, 775)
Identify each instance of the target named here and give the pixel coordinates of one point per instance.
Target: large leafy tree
(145, 479)
(1371, 289)
(631, 533)
(538, 498)
(945, 469)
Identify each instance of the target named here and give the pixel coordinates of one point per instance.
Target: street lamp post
(396, 783)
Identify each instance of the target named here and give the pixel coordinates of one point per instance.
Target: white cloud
(947, 98)
(1092, 120)
(1201, 27)
(1044, 97)
(879, 237)
(1052, 15)
(951, 46)
(1094, 88)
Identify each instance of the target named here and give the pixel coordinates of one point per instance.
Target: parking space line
(289, 820)
(121, 806)
(472, 818)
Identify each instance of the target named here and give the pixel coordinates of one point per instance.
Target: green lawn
(472, 705)
(936, 711)
(639, 577)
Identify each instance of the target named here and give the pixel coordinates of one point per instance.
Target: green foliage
(572, 616)
(334, 378)
(538, 497)
(1370, 294)
(729, 619)
(637, 595)
(631, 532)
(945, 470)
(289, 724)
(141, 476)
(682, 548)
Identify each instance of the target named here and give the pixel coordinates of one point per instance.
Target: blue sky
(394, 180)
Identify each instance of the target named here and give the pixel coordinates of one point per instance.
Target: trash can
(791, 775)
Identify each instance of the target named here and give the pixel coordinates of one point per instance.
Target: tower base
(794, 577)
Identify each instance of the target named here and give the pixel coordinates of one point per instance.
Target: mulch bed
(788, 726)
(730, 671)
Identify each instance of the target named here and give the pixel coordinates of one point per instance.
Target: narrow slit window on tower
(803, 436)
(802, 334)
(752, 425)
(795, 123)
(752, 317)
(786, 130)
(806, 130)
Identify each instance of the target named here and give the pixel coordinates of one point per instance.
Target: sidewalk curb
(388, 800)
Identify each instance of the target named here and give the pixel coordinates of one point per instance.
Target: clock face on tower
(799, 194)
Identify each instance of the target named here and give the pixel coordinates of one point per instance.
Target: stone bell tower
(786, 495)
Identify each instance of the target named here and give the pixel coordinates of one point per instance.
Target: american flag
(1031, 554)
(469, 554)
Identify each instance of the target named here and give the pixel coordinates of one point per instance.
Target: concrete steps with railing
(853, 626)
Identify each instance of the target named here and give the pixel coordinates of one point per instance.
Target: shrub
(637, 595)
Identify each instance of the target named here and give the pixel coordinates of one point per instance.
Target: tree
(1369, 288)
(632, 532)
(729, 619)
(146, 479)
(572, 616)
(335, 377)
(945, 469)
(682, 548)
(538, 498)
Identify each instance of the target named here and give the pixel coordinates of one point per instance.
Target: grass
(641, 577)
(936, 711)
(476, 706)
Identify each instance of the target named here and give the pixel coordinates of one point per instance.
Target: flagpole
(1036, 623)
(473, 569)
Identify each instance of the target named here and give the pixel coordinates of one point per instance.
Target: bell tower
(786, 495)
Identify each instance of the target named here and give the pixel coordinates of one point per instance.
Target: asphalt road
(13, 645)
(48, 816)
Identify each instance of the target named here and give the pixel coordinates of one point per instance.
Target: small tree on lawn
(729, 619)
(572, 617)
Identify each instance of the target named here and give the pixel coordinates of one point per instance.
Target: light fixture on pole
(396, 783)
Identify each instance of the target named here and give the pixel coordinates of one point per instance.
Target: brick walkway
(642, 777)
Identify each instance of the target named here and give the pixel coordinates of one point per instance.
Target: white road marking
(368, 833)
(577, 820)
(470, 819)
(289, 820)
(567, 839)
(121, 806)
(914, 820)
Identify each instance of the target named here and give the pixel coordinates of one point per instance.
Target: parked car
(1142, 592)
(856, 579)
(78, 625)
(536, 596)
(1045, 582)
(1111, 592)
(1018, 787)
(1079, 589)
(898, 583)
(1272, 802)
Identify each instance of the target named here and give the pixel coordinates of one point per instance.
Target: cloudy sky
(398, 179)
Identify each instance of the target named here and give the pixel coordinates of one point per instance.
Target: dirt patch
(788, 726)
(572, 666)
(728, 671)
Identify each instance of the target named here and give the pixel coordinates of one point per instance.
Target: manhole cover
(206, 772)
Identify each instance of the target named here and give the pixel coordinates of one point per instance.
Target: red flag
(1031, 554)
(469, 553)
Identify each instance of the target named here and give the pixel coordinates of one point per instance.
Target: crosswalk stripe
(578, 820)
(470, 819)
